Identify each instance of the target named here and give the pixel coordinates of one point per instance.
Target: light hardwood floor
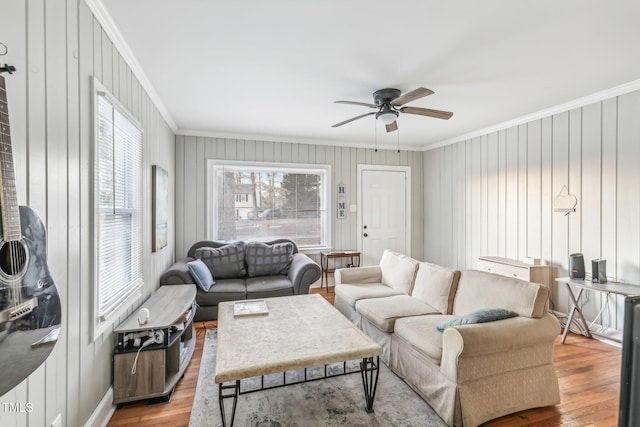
(588, 371)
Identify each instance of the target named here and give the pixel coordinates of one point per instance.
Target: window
(118, 208)
(260, 202)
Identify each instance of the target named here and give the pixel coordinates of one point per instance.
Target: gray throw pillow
(225, 262)
(479, 316)
(268, 260)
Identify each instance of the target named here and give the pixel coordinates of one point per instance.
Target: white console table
(617, 288)
(537, 273)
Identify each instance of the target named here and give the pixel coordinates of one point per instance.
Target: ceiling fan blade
(438, 114)
(421, 92)
(352, 119)
(392, 126)
(364, 104)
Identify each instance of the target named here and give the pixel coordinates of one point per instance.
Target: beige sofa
(468, 374)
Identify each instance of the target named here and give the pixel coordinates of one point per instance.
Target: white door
(384, 208)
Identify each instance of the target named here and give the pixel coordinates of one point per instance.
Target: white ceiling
(272, 69)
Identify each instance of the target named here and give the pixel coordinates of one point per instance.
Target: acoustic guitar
(30, 310)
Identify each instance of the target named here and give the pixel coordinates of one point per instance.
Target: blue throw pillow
(201, 274)
(478, 316)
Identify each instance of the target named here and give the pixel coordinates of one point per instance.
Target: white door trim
(407, 171)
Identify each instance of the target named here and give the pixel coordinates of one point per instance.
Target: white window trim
(296, 167)
(105, 323)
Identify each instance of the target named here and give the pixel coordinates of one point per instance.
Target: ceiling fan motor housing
(385, 96)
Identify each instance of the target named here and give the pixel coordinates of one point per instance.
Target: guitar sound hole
(13, 258)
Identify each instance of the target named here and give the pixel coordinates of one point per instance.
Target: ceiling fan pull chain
(375, 127)
(398, 135)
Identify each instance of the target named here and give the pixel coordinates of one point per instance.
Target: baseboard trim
(599, 332)
(103, 412)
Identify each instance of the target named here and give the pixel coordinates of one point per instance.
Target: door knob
(365, 227)
(365, 234)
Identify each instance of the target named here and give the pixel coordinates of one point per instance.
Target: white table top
(300, 331)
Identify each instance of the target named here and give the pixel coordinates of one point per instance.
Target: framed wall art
(160, 208)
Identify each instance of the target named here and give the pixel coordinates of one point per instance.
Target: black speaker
(599, 270)
(576, 266)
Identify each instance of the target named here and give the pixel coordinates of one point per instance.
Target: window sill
(101, 326)
(314, 250)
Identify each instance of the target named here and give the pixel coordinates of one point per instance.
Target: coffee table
(298, 332)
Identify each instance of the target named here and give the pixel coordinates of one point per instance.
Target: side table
(617, 288)
(150, 358)
(354, 261)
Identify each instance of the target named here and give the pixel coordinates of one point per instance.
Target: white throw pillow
(398, 271)
(433, 286)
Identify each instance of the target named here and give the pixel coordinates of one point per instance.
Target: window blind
(119, 207)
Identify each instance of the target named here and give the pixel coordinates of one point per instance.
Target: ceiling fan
(387, 103)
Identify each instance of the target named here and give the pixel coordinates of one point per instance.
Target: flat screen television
(629, 409)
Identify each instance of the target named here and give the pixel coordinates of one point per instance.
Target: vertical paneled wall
(57, 47)
(493, 195)
(192, 154)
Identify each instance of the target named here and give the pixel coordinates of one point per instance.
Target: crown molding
(560, 108)
(292, 140)
(103, 17)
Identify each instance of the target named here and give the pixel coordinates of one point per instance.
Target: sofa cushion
(420, 333)
(269, 286)
(224, 262)
(224, 290)
(481, 289)
(383, 312)
(479, 316)
(436, 286)
(398, 271)
(201, 274)
(352, 293)
(265, 260)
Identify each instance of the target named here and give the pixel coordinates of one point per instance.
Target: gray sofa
(470, 372)
(244, 270)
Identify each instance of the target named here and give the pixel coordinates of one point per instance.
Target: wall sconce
(564, 201)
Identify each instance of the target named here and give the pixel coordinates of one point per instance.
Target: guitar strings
(15, 255)
(15, 266)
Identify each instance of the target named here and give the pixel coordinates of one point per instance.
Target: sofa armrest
(302, 273)
(354, 275)
(503, 336)
(178, 273)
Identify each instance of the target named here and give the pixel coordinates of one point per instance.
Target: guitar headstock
(7, 69)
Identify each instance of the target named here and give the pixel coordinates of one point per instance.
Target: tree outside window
(261, 203)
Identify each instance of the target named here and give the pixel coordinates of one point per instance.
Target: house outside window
(262, 202)
(117, 209)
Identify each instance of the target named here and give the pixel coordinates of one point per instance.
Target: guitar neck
(8, 198)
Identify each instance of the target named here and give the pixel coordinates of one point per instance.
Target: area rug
(337, 401)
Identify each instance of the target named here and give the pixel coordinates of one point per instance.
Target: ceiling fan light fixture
(387, 117)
